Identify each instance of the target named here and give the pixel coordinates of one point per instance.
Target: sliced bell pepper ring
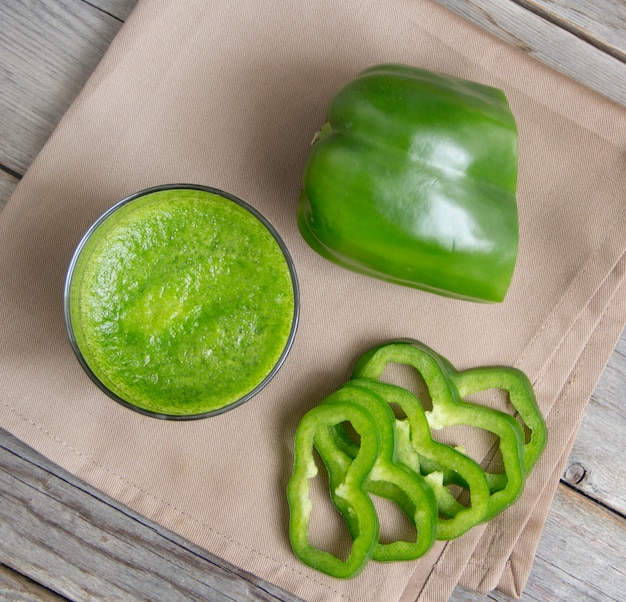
(449, 409)
(355, 501)
(387, 478)
(398, 459)
(521, 396)
(413, 436)
(435, 474)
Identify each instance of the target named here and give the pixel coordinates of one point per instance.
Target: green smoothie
(181, 302)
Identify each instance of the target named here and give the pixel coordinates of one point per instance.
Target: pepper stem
(324, 132)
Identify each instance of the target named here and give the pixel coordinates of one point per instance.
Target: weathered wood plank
(600, 23)
(81, 544)
(580, 556)
(47, 50)
(599, 450)
(65, 40)
(547, 42)
(7, 186)
(581, 553)
(60, 531)
(17, 588)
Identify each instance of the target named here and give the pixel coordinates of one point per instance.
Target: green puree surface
(181, 302)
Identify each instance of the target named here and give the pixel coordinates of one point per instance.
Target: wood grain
(579, 558)
(601, 24)
(17, 588)
(547, 42)
(120, 9)
(48, 51)
(8, 183)
(581, 553)
(599, 448)
(83, 545)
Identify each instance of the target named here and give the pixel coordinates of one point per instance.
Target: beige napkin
(229, 95)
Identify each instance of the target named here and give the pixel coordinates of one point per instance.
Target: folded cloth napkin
(229, 94)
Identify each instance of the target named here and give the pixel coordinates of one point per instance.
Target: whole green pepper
(412, 180)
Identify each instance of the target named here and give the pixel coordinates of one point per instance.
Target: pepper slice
(521, 396)
(413, 437)
(350, 489)
(449, 409)
(396, 457)
(387, 478)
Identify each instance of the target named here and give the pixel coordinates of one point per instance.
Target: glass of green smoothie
(181, 302)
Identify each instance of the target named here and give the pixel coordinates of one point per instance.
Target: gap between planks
(562, 21)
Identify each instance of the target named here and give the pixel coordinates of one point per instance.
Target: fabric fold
(496, 549)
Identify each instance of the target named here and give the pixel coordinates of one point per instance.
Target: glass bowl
(181, 302)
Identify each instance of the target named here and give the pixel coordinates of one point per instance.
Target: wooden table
(61, 539)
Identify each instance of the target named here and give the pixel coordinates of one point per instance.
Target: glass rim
(94, 227)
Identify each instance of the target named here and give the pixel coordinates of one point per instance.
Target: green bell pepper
(521, 396)
(412, 180)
